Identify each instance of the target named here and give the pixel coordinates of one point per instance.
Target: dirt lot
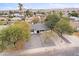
(76, 33)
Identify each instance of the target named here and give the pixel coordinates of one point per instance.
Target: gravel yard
(52, 46)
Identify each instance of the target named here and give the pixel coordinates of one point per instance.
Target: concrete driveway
(37, 41)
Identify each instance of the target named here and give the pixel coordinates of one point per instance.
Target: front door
(38, 31)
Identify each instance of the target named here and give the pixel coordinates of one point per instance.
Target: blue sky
(39, 5)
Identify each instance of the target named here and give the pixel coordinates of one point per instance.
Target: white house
(74, 18)
(16, 18)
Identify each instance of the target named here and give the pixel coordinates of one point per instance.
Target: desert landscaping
(39, 32)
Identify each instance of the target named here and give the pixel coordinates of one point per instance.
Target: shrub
(19, 31)
(25, 27)
(47, 35)
(2, 19)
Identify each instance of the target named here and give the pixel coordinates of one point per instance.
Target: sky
(6, 6)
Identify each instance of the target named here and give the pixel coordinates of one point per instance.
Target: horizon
(11, 6)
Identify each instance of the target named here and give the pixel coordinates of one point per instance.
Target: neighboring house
(18, 15)
(12, 20)
(41, 17)
(75, 22)
(74, 18)
(37, 28)
(3, 19)
(16, 18)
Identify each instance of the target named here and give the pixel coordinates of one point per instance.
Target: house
(3, 19)
(75, 22)
(38, 27)
(18, 15)
(74, 18)
(16, 18)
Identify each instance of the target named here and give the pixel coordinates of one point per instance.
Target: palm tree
(20, 7)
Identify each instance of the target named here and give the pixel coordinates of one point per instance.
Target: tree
(28, 13)
(73, 13)
(60, 14)
(20, 5)
(51, 20)
(16, 33)
(43, 13)
(63, 26)
(10, 15)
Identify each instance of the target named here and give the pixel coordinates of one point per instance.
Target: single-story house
(16, 18)
(75, 22)
(3, 18)
(74, 18)
(18, 15)
(37, 28)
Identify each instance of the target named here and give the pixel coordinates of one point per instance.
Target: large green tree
(51, 20)
(73, 13)
(63, 26)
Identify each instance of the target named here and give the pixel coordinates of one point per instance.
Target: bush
(19, 31)
(2, 19)
(25, 27)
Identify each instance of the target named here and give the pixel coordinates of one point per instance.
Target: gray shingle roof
(39, 26)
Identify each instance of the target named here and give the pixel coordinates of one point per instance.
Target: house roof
(3, 18)
(39, 26)
(75, 18)
(16, 18)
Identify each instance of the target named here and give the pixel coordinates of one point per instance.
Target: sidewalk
(46, 51)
